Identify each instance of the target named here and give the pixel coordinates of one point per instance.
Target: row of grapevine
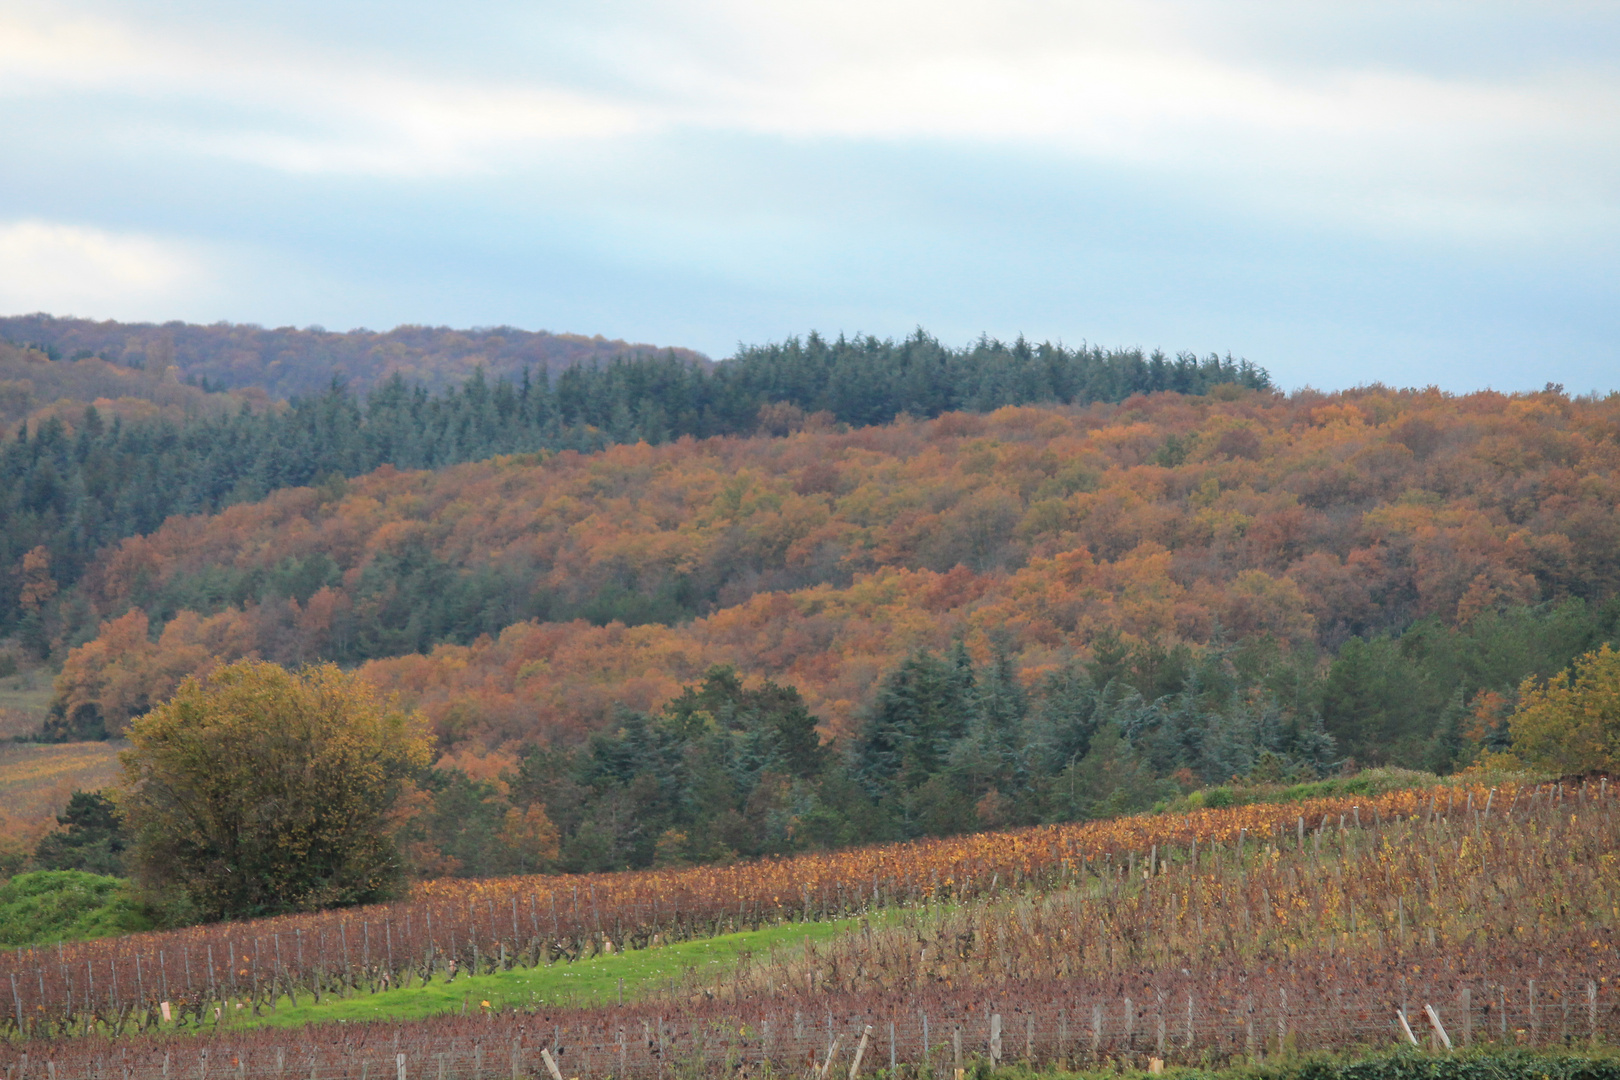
(1175, 1018)
(1537, 889)
(452, 927)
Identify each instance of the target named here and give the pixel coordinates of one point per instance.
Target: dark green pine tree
(91, 838)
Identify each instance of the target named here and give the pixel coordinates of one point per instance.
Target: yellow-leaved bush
(258, 790)
(1572, 723)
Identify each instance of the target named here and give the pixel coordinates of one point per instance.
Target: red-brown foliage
(826, 556)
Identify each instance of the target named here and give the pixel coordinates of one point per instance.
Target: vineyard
(1486, 914)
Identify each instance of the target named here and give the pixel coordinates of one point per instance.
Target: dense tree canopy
(289, 362)
(800, 632)
(1571, 723)
(256, 791)
(71, 485)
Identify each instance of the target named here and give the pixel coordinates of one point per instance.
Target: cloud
(294, 106)
(69, 268)
(1313, 132)
(1277, 121)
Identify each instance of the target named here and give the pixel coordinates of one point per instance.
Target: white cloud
(289, 105)
(47, 266)
(1287, 125)
(1479, 153)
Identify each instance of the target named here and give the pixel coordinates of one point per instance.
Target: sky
(1413, 193)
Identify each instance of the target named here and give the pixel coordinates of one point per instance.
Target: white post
(551, 1064)
(1400, 1014)
(1439, 1028)
(826, 1066)
(860, 1051)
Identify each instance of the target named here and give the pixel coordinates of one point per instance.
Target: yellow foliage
(260, 790)
(1572, 724)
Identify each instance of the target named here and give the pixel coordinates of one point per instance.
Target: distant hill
(33, 388)
(287, 361)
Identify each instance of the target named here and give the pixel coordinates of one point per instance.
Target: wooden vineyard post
(832, 1052)
(1130, 1025)
(1029, 1038)
(1096, 1030)
(399, 1065)
(1440, 1038)
(1466, 1004)
(956, 1048)
(995, 1039)
(1189, 1019)
(551, 1064)
(860, 1052)
(1591, 1010)
(1406, 1029)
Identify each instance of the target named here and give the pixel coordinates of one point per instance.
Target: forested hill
(288, 362)
(69, 486)
(1141, 537)
(35, 388)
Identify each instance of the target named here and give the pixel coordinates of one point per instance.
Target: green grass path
(584, 982)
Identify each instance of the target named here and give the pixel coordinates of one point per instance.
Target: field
(1207, 937)
(36, 780)
(24, 697)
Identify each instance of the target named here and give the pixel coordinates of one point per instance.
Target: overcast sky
(1407, 192)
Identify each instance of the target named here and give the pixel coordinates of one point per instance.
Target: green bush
(63, 905)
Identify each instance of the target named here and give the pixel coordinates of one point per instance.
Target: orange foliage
(823, 557)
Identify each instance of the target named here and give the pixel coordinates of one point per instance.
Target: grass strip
(583, 982)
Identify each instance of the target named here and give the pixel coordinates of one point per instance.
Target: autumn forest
(661, 611)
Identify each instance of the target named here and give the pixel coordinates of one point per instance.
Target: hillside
(72, 484)
(35, 389)
(287, 362)
(825, 557)
(1212, 937)
(1040, 614)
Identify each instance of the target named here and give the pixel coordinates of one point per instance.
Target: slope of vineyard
(36, 781)
(1200, 937)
